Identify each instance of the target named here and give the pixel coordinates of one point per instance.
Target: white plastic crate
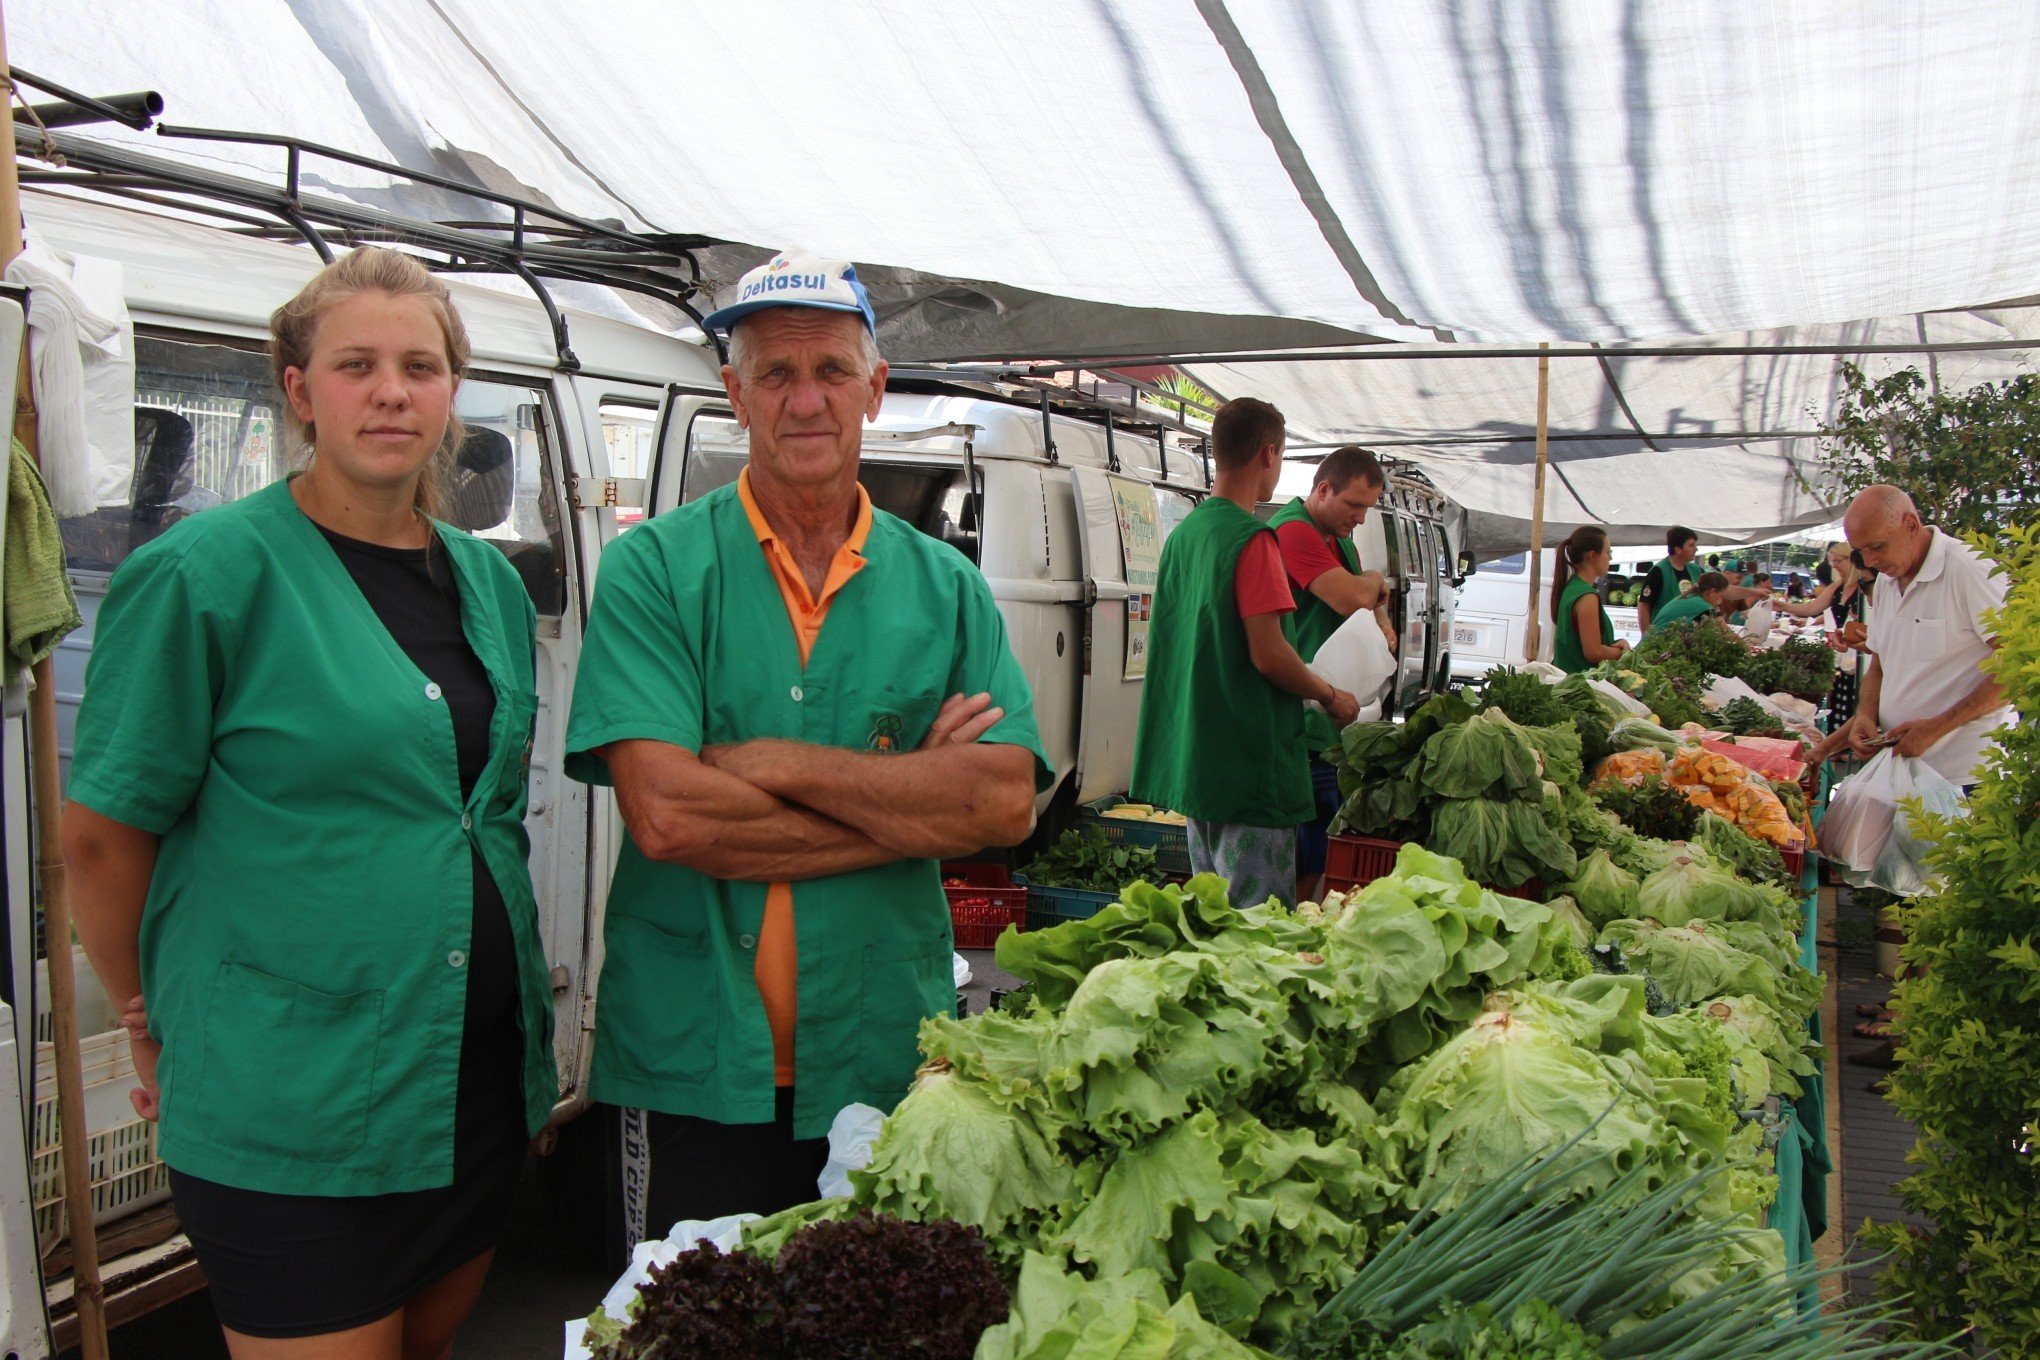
(120, 1145)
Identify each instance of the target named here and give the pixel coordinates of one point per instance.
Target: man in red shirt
(1327, 586)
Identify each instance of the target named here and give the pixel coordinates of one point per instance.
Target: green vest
(1670, 576)
(1679, 610)
(689, 643)
(304, 945)
(1215, 741)
(1313, 622)
(1567, 653)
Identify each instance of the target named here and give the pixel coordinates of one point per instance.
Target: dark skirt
(1841, 701)
(283, 1265)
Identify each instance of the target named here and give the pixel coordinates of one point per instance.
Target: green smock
(689, 643)
(304, 943)
(1314, 621)
(1679, 610)
(1566, 652)
(1216, 741)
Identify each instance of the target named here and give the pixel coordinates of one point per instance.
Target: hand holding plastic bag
(1356, 658)
(1870, 834)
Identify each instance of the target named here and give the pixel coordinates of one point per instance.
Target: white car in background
(1494, 611)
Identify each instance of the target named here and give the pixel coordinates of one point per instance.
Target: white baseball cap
(795, 278)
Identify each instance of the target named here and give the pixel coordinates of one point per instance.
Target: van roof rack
(1018, 385)
(530, 240)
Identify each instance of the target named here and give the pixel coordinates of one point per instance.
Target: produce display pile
(1085, 859)
(1207, 1131)
(1670, 669)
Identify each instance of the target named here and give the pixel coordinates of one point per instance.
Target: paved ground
(1874, 1139)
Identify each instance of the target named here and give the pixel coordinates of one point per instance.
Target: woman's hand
(146, 1098)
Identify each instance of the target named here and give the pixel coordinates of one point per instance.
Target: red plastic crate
(1795, 862)
(1355, 861)
(981, 910)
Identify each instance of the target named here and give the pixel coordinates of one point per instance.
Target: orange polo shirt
(778, 965)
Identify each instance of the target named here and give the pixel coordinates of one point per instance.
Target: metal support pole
(1533, 636)
(48, 796)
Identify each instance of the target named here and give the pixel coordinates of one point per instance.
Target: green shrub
(1969, 1076)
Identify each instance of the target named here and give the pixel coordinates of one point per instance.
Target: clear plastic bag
(1869, 833)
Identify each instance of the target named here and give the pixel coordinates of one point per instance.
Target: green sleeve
(640, 675)
(159, 665)
(985, 664)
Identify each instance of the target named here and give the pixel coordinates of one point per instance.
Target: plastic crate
(981, 911)
(1171, 844)
(120, 1146)
(1353, 862)
(1795, 862)
(1048, 906)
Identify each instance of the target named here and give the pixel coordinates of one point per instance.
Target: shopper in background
(1926, 693)
(1844, 598)
(1705, 602)
(297, 829)
(1221, 732)
(804, 703)
(1316, 537)
(1671, 577)
(1584, 636)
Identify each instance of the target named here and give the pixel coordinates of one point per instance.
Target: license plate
(1466, 637)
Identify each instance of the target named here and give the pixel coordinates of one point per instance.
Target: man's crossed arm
(782, 811)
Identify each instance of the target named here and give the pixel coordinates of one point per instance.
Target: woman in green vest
(1585, 636)
(296, 839)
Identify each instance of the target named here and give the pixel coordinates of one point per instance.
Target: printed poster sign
(1140, 543)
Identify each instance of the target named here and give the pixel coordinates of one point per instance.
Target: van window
(1515, 564)
(931, 496)
(630, 433)
(1391, 538)
(209, 429)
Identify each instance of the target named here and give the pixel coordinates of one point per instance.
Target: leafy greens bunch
(1084, 858)
(1477, 787)
(1800, 667)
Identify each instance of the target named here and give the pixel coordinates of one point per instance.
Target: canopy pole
(87, 1291)
(1533, 636)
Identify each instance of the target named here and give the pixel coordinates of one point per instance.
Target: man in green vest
(804, 704)
(1669, 579)
(1323, 566)
(1221, 734)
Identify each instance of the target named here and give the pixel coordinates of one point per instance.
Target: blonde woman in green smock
(296, 838)
(1584, 635)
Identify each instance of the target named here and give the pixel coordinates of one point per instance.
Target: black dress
(283, 1265)
(1842, 694)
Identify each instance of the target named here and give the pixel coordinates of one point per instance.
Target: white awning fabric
(1090, 178)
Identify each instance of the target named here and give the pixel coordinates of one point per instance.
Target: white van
(1494, 614)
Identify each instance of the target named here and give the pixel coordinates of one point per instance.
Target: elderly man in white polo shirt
(1927, 690)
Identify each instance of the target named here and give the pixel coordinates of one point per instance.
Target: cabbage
(1759, 1035)
(1688, 889)
(1487, 753)
(1566, 912)
(1520, 1081)
(1604, 890)
(1694, 963)
(949, 1151)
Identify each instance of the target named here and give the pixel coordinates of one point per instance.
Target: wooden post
(1533, 636)
(47, 793)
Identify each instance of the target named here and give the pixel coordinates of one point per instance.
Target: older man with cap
(1926, 693)
(803, 704)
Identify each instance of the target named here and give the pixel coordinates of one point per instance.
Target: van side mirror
(1467, 567)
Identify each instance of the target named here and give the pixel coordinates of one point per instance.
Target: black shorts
(677, 1168)
(284, 1265)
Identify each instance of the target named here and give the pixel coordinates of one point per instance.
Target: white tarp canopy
(1157, 177)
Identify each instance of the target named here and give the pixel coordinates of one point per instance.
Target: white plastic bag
(1355, 658)
(959, 968)
(1724, 690)
(1870, 835)
(850, 1139)
(1758, 620)
(1627, 702)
